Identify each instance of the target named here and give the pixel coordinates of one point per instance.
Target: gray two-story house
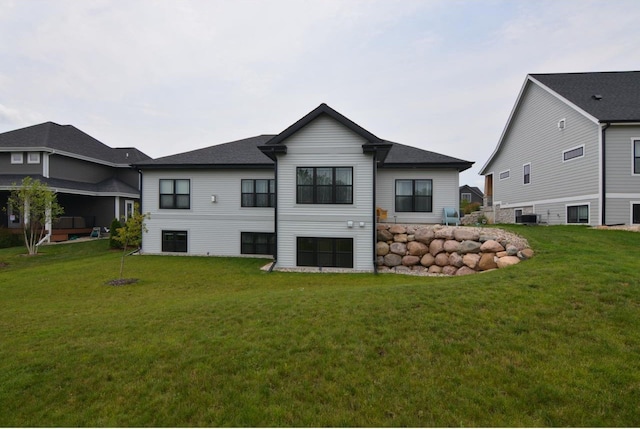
(309, 196)
(94, 182)
(570, 151)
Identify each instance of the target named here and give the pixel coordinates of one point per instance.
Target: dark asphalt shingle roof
(245, 153)
(620, 92)
(239, 153)
(408, 156)
(68, 138)
(110, 186)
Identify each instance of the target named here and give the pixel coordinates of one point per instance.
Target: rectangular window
(33, 158)
(505, 174)
(526, 173)
(258, 193)
(257, 243)
(324, 185)
(174, 241)
(576, 152)
(466, 196)
(324, 252)
(578, 214)
(635, 213)
(636, 157)
(175, 193)
(17, 158)
(414, 195)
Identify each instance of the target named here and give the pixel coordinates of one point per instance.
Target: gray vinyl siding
(445, 193)
(213, 228)
(533, 137)
(6, 167)
(622, 185)
(325, 143)
(62, 167)
(129, 176)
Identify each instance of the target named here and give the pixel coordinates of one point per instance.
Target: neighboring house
(473, 194)
(570, 151)
(94, 183)
(307, 196)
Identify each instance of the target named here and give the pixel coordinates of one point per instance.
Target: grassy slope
(213, 341)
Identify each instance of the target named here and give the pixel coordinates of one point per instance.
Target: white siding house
(568, 151)
(306, 196)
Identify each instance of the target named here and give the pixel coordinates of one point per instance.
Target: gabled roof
(607, 96)
(236, 154)
(600, 96)
(373, 143)
(402, 156)
(324, 109)
(68, 140)
(473, 189)
(258, 152)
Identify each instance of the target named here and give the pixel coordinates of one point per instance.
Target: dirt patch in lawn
(121, 282)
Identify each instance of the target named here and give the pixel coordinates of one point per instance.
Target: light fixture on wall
(361, 224)
(349, 224)
(214, 198)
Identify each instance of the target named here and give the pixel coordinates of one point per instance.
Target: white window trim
(462, 194)
(36, 161)
(633, 143)
(523, 166)
(631, 204)
(128, 212)
(575, 157)
(566, 208)
(504, 178)
(18, 158)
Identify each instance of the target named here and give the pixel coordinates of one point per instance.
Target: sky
(170, 76)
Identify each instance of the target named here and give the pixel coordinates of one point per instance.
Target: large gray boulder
(469, 246)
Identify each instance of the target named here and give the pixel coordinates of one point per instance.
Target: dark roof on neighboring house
(471, 189)
(403, 156)
(237, 154)
(110, 186)
(607, 96)
(68, 139)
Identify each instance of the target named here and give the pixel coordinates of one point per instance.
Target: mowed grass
(553, 341)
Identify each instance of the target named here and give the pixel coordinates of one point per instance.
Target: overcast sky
(171, 76)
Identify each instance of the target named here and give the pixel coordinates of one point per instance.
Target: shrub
(467, 207)
(8, 239)
(113, 233)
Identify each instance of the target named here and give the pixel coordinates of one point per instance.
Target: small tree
(130, 234)
(38, 207)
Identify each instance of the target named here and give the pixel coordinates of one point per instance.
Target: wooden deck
(65, 234)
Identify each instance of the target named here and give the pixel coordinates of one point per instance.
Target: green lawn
(553, 341)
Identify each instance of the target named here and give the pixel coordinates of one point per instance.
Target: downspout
(603, 206)
(141, 209)
(375, 224)
(275, 215)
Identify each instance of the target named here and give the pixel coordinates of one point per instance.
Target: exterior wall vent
(562, 123)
